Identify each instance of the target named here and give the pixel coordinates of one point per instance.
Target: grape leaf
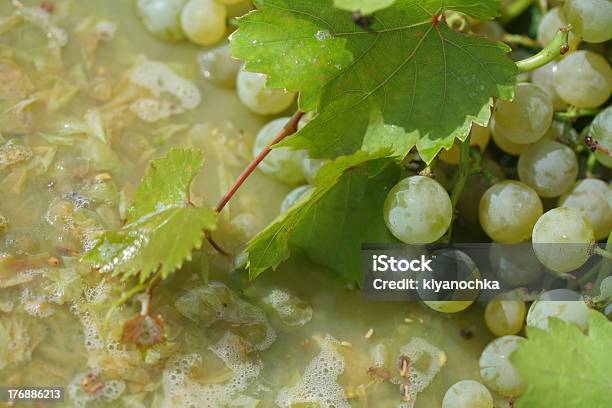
(163, 227)
(406, 73)
(363, 6)
(344, 209)
(576, 366)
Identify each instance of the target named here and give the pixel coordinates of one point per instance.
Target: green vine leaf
(408, 74)
(323, 223)
(364, 6)
(163, 227)
(576, 366)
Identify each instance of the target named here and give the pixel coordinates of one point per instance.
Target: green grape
(544, 77)
(590, 196)
(549, 167)
(310, 167)
(504, 316)
(560, 130)
(561, 304)
(605, 287)
(497, 371)
(218, 66)
(282, 163)
(489, 29)
(583, 79)
(418, 210)
(561, 239)
(527, 117)
(590, 19)
(479, 136)
(252, 93)
(293, 196)
(467, 394)
(601, 131)
(516, 265)
(162, 18)
(549, 26)
(203, 21)
(504, 144)
(508, 211)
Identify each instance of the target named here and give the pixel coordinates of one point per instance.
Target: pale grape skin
(218, 66)
(583, 79)
(549, 167)
(282, 163)
(601, 131)
(561, 239)
(516, 265)
(544, 77)
(496, 369)
(505, 316)
(310, 167)
(527, 117)
(467, 394)
(489, 29)
(293, 196)
(559, 130)
(203, 21)
(562, 304)
(508, 211)
(549, 26)
(253, 94)
(590, 196)
(162, 18)
(418, 210)
(505, 145)
(590, 19)
(479, 136)
(605, 287)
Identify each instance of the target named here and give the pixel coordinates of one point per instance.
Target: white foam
(291, 310)
(419, 351)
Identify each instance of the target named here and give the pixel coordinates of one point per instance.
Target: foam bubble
(424, 365)
(292, 310)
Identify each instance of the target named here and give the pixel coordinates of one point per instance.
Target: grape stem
(522, 40)
(462, 176)
(287, 130)
(602, 252)
(558, 46)
(574, 113)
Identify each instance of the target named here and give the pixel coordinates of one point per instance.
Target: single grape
(203, 21)
(293, 196)
(418, 210)
(162, 18)
(497, 370)
(561, 304)
(527, 117)
(282, 163)
(605, 287)
(310, 167)
(590, 196)
(467, 394)
(601, 131)
(590, 19)
(583, 79)
(549, 26)
(561, 130)
(508, 211)
(218, 66)
(545, 79)
(549, 167)
(561, 239)
(505, 316)
(252, 93)
(489, 29)
(504, 144)
(516, 264)
(479, 136)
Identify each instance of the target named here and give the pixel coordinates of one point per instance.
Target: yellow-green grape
(218, 66)
(293, 196)
(527, 117)
(467, 394)
(203, 21)
(549, 26)
(282, 163)
(549, 167)
(489, 29)
(418, 210)
(590, 196)
(605, 287)
(497, 370)
(561, 304)
(505, 316)
(590, 19)
(508, 211)
(504, 144)
(162, 18)
(601, 131)
(545, 79)
(561, 239)
(479, 136)
(559, 130)
(310, 167)
(583, 79)
(448, 306)
(253, 94)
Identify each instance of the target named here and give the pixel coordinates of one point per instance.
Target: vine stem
(287, 130)
(575, 113)
(558, 46)
(462, 176)
(602, 252)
